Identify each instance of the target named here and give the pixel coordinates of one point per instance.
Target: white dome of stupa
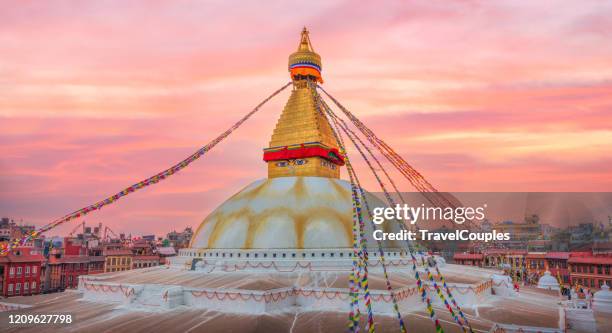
(287, 212)
(549, 282)
(602, 300)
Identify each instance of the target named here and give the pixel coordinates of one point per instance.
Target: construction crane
(82, 225)
(106, 230)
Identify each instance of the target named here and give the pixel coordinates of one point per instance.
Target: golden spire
(303, 143)
(305, 45)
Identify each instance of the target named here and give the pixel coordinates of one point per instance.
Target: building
(53, 272)
(498, 258)
(96, 258)
(581, 234)
(164, 253)
(521, 233)
(180, 240)
(117, 260)
(5, 229)
(143, 247)
(95, 265)
(536, 262)
(144, 261)
(589, 270)
(558, 266)
(470, 259)
(20, 272)
(72, 268)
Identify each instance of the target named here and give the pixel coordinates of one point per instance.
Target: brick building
(72, 268)
(590, 271)
(20, 272)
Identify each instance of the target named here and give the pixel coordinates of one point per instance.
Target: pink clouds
(97, 95)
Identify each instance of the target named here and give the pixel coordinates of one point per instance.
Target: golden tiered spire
(303, 143)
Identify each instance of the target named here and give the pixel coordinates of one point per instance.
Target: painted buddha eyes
(283, 164)
(328, 164)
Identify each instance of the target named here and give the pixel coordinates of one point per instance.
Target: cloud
(95, 96)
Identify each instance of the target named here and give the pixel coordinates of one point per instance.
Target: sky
(476, 95)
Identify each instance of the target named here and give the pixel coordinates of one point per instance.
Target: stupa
(602, 300)
(285, 241)
(277, 255)
(547, 281)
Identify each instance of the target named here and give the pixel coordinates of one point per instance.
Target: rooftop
(468, 256)
(118, 252)
(590, 260)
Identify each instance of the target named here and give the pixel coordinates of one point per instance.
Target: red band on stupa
(303, 151)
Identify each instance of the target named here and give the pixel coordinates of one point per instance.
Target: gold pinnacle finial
(305, 63)
(305, 45)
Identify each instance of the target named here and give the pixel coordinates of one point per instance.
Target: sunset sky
(97, 95)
